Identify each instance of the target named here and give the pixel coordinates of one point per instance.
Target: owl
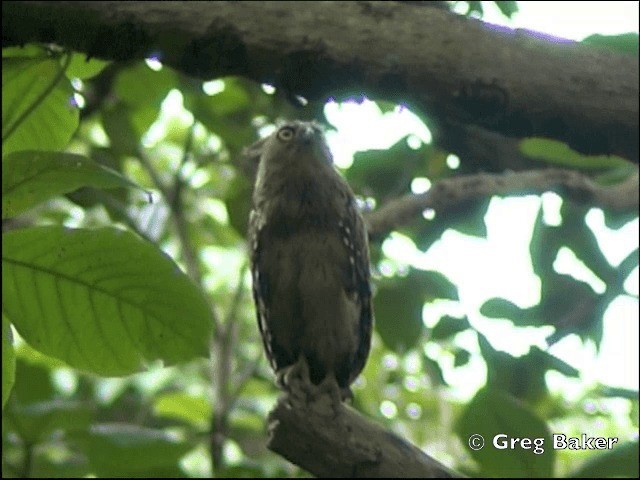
(309, 263)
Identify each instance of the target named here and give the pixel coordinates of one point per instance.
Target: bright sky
(499, 266)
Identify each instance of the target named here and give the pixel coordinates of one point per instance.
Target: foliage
(124, 266)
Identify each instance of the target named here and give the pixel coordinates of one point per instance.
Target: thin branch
(222, 350)
(452, 192)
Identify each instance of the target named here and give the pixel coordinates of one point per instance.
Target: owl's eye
(286, 134)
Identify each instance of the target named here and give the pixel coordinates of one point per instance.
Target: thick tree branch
(452, 68)
(452, 192)
(336, 441)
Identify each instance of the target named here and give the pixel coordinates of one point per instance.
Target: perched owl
(309, 262)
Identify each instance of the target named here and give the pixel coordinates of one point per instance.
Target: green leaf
(612, 392)
(621, 462)
(37, 421)
(507, 8)
(8, 361)
(31, 177)
(119, 450)
(503, 308)
(83, 67)
(448, 326)
(139, 85)
(622, 43)
(559, 153)
(184, 407)
(398, 306)
(38, 112)
(461, 357)
(492, 413)
(33, 380)
(101, 300)
(388, 173)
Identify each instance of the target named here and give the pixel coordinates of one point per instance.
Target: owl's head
(299, 142)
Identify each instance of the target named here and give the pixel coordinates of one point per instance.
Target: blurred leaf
(619, 462)
(559, 153)
(622, 43)
(616, 220)
(475, 8)
(434, 371)
(386, 106)
(125, 125)
(33, 382)
(36, 421)
(522, 377)
(83, 67)
(30, 50)
(140, 86)
(34, 99)
(583, 242)
(31, 177)
(238, 202)
(387, 173)
(119, 450)
(571, 306)
(461, 357)
(184, 407)
(503, 308)
(228, 114)
(507, 8)
(492, 413)
(398, 306)
(8, 361)
(448, 326)
(607, 391)
(101, 300)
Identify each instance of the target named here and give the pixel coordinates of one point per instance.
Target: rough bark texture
(335, 441)
(455, 69)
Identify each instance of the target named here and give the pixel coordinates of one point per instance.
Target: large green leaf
(398, 306)
(119, 450)
(8, 361)
(492, 413)
(31, 177)
(37, 105)
(101, 300)
(83, 67)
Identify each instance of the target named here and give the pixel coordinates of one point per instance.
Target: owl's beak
(306, 134)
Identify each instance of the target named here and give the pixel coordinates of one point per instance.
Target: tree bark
(333, 440)
(450, 68)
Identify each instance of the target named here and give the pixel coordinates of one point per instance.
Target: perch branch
(342, 443)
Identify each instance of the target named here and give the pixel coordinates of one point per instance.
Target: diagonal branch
(336, 441)
(452, 192)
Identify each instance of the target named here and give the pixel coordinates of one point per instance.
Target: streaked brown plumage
(310, 260)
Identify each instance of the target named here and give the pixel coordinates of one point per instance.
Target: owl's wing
(353, 229)
(260, 285)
